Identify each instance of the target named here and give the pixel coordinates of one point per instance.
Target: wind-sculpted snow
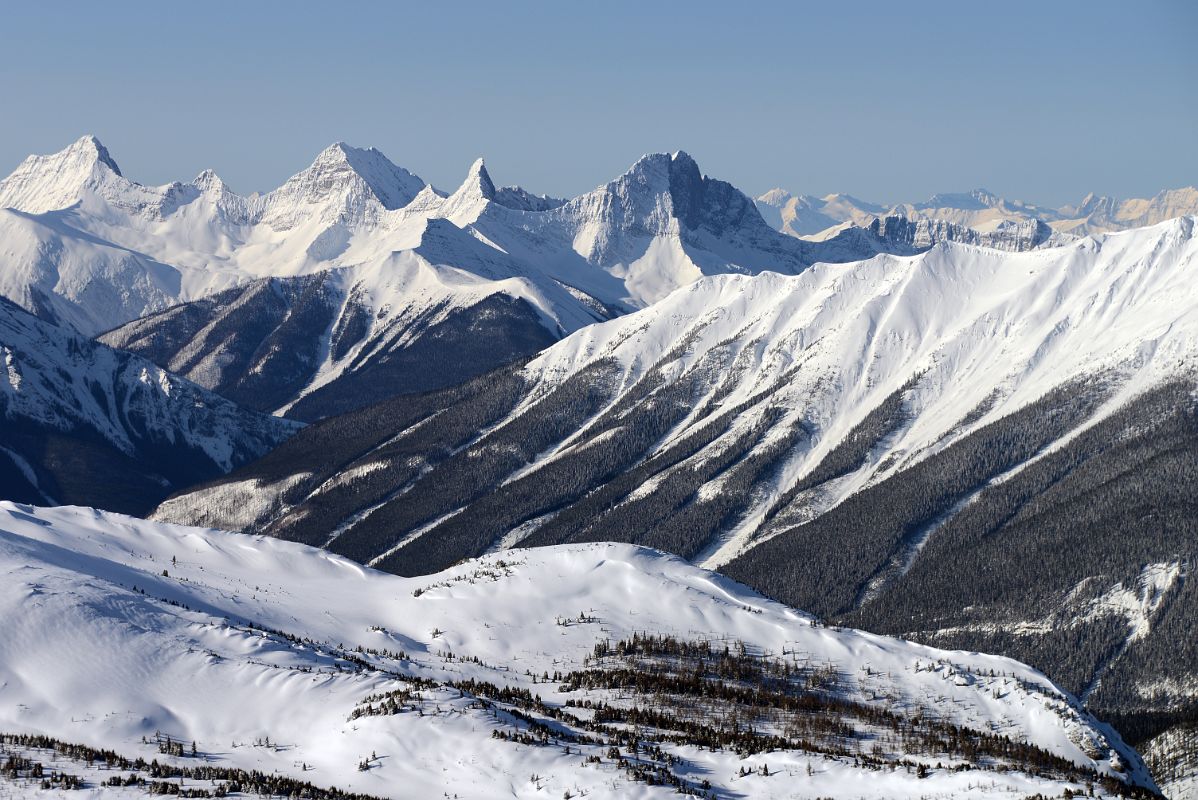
(270, 656)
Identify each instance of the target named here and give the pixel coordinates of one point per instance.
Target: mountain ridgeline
(84, 424)
(256, 344)
(341, 286)
(980, 211)
(956, 422)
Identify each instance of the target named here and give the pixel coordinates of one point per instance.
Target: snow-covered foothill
(260, 651)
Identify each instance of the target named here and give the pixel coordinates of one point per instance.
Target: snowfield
(260, 650)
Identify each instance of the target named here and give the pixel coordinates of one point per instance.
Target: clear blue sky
(1042, 101)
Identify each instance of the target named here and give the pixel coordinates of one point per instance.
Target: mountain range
(817, 218)
(357, 275)
(968, 423)
(85, 424)
(852, 440)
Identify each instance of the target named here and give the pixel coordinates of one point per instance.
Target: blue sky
(889, 101)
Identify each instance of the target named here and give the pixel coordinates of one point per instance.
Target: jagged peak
(661, 171)
(1096, 204)
(45, 182)
(209, 181)
(478, 180)
(684, 158)
(341, 153)
(520, 199)
(648, 165)
(90, 148)
(340, 166)
(976, 199)
(430, 193)
(1182, 191)
(80, 158)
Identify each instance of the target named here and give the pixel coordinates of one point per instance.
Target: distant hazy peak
(975, 200)
(775, 197)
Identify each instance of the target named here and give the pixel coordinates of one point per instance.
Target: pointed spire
(93, 145)
(478, 180)
(85, 151)
(208, 181)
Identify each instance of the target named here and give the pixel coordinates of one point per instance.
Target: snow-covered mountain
(388, 274)
(845, 439)
(817, 218)
(316, 345)
(630, 241)
(602, 670)
(962, 333)
(923, 234)
(85, 423)
(1173, 759)
(807, 216)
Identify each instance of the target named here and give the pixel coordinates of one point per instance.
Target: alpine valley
(656, 490)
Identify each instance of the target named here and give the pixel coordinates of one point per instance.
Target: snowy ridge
(57, 381)
(354, 208)
(227, 642)
(771, 375)
(983, 211)
(967, 322)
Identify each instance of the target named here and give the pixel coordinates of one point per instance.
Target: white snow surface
(87, 657)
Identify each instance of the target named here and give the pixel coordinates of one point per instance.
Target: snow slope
(962, 336)
(57, 383)
(118, 629)
(782, 428)
(966, 321)
(1174, 756)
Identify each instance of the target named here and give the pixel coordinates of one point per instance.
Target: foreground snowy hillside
(566, 671)
(80, 422)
